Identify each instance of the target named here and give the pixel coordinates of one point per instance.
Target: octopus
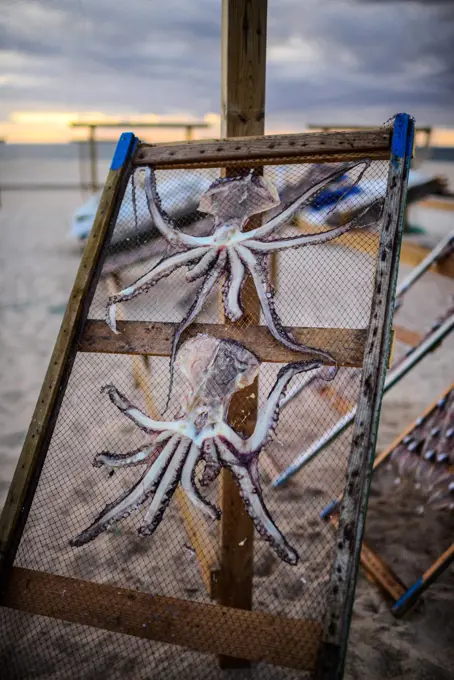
(231, 252)
(214, 370)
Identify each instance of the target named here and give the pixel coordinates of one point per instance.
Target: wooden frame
(281, 641)
(24, 590)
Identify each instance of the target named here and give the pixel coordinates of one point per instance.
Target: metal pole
(423, 266)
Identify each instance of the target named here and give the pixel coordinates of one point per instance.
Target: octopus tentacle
(162, 220)
(137, 416)
(220, 429)
(315, 239)
(144, 283)
(254, 505)
(188, 484)
(211, 279)
(212, 463)
(269, 415)
(137, 457)
(265, 292)
(309, 194)
(253, 467)
(323, 373)
(131, 499)
(232, 298)
(141, 456)
(165, 489)
(203, 266)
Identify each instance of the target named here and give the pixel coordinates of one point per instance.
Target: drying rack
(229, 629)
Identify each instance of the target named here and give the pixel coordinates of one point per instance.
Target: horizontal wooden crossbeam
(269, 149)
(138, 337)
(207, 628)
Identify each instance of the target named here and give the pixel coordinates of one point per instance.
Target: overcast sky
(328, 60)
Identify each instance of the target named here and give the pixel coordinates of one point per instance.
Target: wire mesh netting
(322, 286)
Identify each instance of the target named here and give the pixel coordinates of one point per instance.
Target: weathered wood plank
(34, 451)
(206, 628)
(269, 148)
(140, 337)
(354, 503)
(245, 163)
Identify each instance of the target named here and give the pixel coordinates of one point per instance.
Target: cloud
(337, 61)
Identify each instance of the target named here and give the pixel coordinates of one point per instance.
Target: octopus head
(235, 199)
(215, 370)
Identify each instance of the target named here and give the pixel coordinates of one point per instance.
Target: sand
(37, 268)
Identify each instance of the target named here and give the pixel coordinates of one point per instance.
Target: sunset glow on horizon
(53, 127)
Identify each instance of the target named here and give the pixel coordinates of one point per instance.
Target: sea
(67, 165)
(56, 165)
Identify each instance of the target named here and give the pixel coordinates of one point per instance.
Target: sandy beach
(37, 267)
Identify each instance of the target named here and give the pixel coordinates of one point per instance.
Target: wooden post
(93, 159)
(189, 129)
(80, 158)
(242, 115)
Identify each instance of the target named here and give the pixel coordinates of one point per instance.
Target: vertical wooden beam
(93, 159)
(242, 115)
(189, 135)
(80, 148)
